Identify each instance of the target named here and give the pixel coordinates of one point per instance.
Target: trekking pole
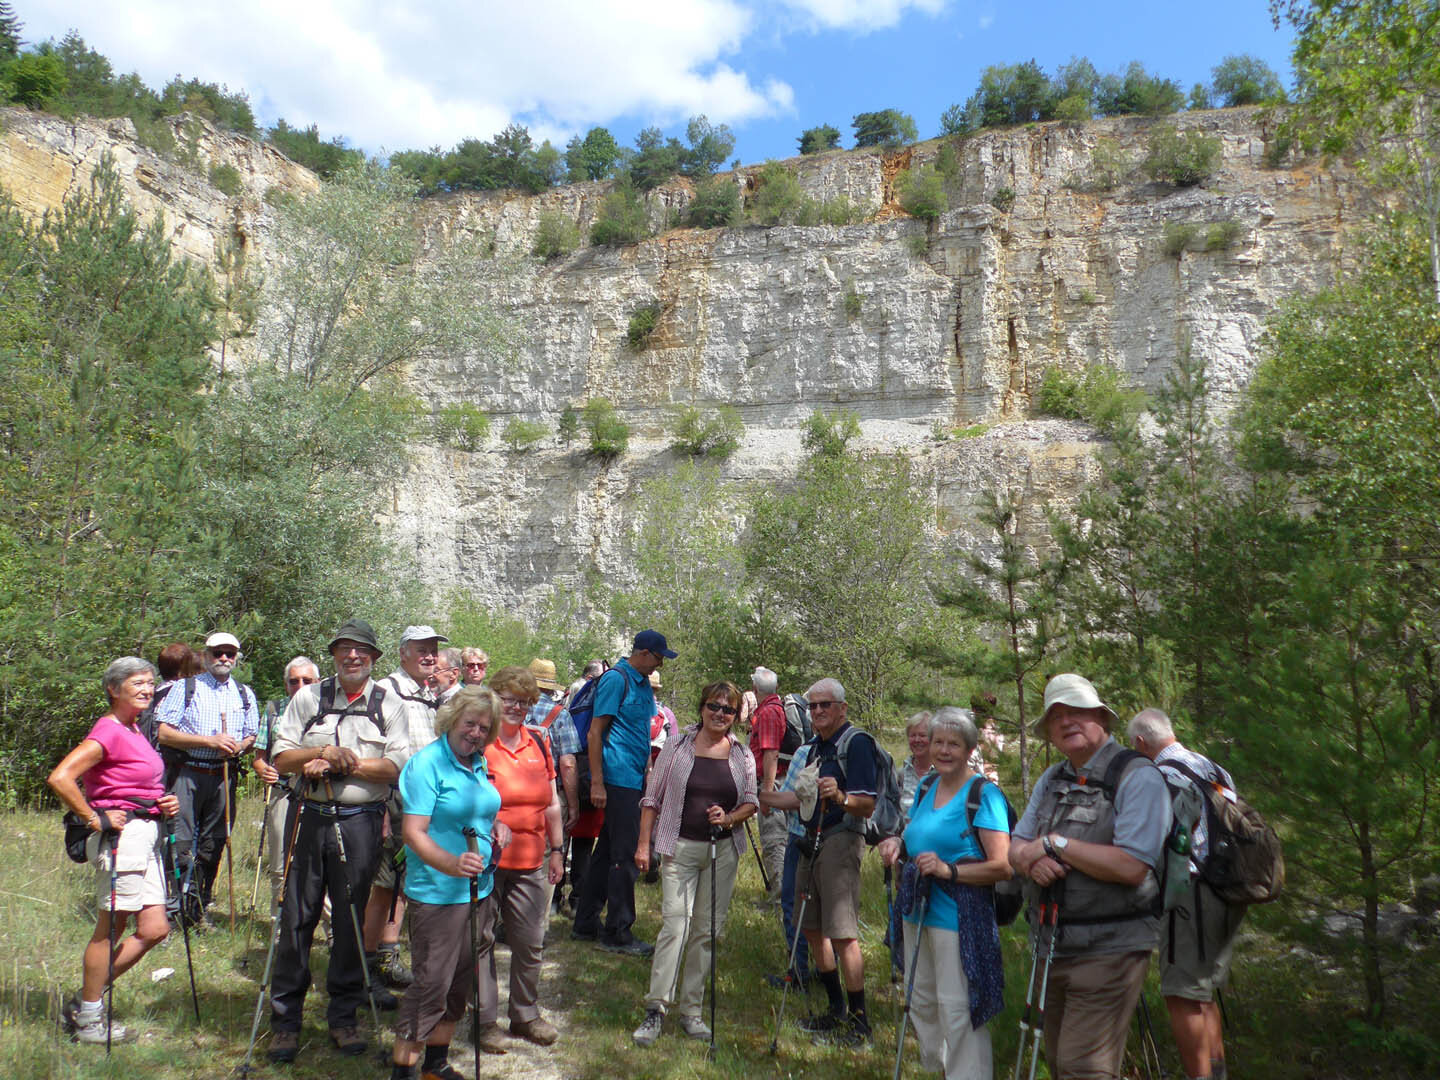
(1029, 993)
(1039, 1029)
(890, 926)
(259, 862)
(759, 859)
(279, 923)
(184, 923)
(472, 843)
(714, 945)
(110, 959)
(354, 917)
(229, 857)
(922, 901)
(810, 841)
(1149, 1052)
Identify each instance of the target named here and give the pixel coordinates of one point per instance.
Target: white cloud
(862, 14)
(986, 21)
(423, 73)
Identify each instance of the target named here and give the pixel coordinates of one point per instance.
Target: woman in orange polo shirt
(522, 767)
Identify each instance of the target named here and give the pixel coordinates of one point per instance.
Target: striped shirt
(1203, 767)
(216, 709)
(563, 737)
(420, 707)
(665, 792)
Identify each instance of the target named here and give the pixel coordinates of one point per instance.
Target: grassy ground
(1293, 1011)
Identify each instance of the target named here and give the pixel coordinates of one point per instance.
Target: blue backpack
(582, 712)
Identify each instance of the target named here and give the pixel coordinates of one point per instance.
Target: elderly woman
(917, 765)
(958, 973)
(522, 767)
(704, 780)
(446, 791)
(121, 803)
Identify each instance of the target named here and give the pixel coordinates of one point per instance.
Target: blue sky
(397, 75)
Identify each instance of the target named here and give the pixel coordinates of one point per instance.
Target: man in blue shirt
(619, 751)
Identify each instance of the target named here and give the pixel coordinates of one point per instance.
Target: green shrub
(609, 435)
(1277, 150)
(621, 219)
(1181, 159)
(1097, 396)
(555, 236)
(947, 161)
(643, 322)
(1073, 111)
(954, 120)
(852, 302)
(225, 178)
(1223, 235)
(1179, 236)
(918, 244)
(35, 80)
(569, 425)
(829, 435)
(278, 197)
(462, 425)
(716, 435)
(716, 204)
(522, 434)
(839, 211)
(779, 198)
(1003, 199)
(817, 140)
(922, 193)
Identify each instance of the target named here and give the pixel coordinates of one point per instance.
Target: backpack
(1245, 864)
(582, 712)
(1186, 806)
(798, 730)
(328, 687)
(887, 819)
(1006, 895)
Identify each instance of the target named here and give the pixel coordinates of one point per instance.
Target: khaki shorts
(139, 877)
(385, 869)
(834, 907)
(1191, 976)
(440, 954)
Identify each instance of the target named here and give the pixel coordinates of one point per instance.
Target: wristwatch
(1055, 846)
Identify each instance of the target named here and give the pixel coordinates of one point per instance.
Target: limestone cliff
(918, 329)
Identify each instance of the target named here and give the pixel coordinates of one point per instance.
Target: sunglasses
(224, 652)
(724, 710)
(824, 704)
(301, 680)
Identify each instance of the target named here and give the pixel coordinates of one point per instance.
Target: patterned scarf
(979, 939)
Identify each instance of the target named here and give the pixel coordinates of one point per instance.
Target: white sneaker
(695, 1027)
(93, 1031)
(649, 1029)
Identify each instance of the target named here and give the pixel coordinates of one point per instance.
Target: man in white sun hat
(1091, 840)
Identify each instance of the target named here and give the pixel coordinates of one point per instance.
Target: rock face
(919, 329)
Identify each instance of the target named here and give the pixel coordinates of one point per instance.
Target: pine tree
(10, 26)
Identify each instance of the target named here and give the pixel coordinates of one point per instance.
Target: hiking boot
(384, 1000)
(819, 1023)
(348, 1041)
(442, 1072)
(695, 1028)
(538, 1031)
(584, 935)
(392, 969)
(492, 1039)
(633, 947)
(850, 1034)
(649, 1029)
(284, 1045)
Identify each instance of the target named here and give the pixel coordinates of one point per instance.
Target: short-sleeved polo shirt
(626, 749)
(857, 777)
(434, 784)
(944, 832)
(525, 779)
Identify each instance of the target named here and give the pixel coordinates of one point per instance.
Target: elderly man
(1198, 936)
(299, 672)
(344, 740)
(211, 721)
(619, 751)
(549, 714)
(1092, 839)
(448, 667)
(767, 738)
(830, 873)
(410, 685)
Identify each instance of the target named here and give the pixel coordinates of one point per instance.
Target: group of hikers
(463, 799)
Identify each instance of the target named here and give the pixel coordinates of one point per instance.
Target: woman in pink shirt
(122, 801)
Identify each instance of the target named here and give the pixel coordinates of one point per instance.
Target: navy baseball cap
(654, 641)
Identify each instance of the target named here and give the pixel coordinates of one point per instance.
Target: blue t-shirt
(434, 784)
(943, 832)
(626, 749)
(856, 778)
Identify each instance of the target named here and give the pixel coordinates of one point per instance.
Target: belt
(213, 767)
(344, 809)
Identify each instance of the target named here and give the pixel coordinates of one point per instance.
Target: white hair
(831, 686)
(765, 681)
(960, 721)
(1152, 725)
(301, 662)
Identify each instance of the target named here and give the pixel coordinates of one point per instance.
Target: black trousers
(315, 869)
(611, 872)
(200, 826)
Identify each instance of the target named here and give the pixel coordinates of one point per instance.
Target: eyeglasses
(301, 680)
(726, 710)
(224, 652)
(475, 664)
(510, 704)
(445, 670)
(823, 704)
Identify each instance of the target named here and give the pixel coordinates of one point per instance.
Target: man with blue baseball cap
(619, 751)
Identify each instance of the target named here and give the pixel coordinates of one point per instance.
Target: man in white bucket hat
(1091, 841)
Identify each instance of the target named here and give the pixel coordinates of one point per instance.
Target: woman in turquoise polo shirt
(446, 790)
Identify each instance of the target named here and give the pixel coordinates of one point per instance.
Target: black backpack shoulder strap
(927, 782)
(1110, 782)
(372, 707)
(327, 702)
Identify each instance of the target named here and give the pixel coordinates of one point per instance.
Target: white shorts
(139, 874)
